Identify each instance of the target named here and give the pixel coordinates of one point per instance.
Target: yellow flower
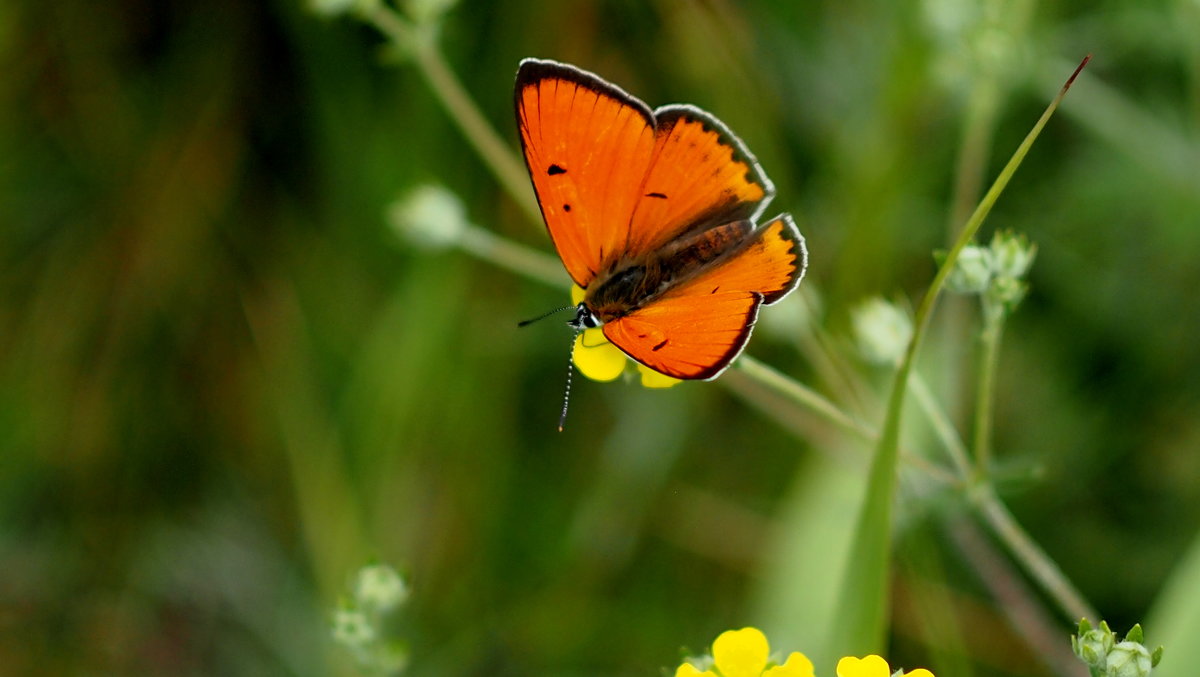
(745, 653)
(598, 359)
(872, 666)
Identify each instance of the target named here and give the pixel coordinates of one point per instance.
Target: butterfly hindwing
(694, 330)
(687, 336)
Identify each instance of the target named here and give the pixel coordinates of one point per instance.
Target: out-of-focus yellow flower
(596, 358)
(872, 666)
(745, 653)
(599, 360)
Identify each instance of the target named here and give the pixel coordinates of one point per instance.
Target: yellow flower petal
(653, 379)
(871, 666)
(689, 670)
(576, 294)
(919, 672)
(797, 665)
(741, 653)
(596, 358)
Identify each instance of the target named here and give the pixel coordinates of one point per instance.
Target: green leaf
(1135, 634)
(797, 596)
(1175, 616)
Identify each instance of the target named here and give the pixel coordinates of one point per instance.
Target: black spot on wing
(657, 195)
(714, 291)
(566, 207)
(659, 346)
(555, 169)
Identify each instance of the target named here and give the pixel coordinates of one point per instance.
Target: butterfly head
(584, 318)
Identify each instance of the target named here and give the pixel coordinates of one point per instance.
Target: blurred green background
(226, 383)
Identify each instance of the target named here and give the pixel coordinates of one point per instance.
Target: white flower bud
(1012, 254)
(882, 331)
(1128, 659)
(972, 271)
(429, 216)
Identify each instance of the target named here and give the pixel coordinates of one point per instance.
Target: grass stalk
(863, 600)
(421, 41)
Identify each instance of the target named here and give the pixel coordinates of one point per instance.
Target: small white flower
(378, 586)
(352, 628)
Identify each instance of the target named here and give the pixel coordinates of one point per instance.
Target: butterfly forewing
(700, 176)
(588, 146)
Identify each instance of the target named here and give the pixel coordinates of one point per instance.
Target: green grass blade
(859, 623)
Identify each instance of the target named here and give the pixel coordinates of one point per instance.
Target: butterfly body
(634, 283)
(653, 215)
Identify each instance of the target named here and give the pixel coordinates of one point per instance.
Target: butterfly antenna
(543, 316)
(562, 418)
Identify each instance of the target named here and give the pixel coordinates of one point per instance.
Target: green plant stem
(801, 394)
(1031, 557)
(941, 425)
(860, 623)
(989, 352)
(515, 257)
(421, 41)
(978, 124)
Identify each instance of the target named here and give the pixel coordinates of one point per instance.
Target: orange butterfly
(653, 215)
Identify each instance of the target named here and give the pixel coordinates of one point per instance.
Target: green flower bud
(1093, 644)
(972, 271)
(1128, 659)
(1004, 294)
(429, 216)
(882, 331)
(1012, 254)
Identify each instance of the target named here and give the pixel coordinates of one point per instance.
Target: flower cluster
(360, 621)
(996, 272)
(745, 653)
(1106, 657)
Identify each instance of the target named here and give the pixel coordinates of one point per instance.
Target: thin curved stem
(989, 353)
(1040, 566)
(421, 41)
(941, 425)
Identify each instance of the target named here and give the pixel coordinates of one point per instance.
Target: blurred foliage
(226, 384)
